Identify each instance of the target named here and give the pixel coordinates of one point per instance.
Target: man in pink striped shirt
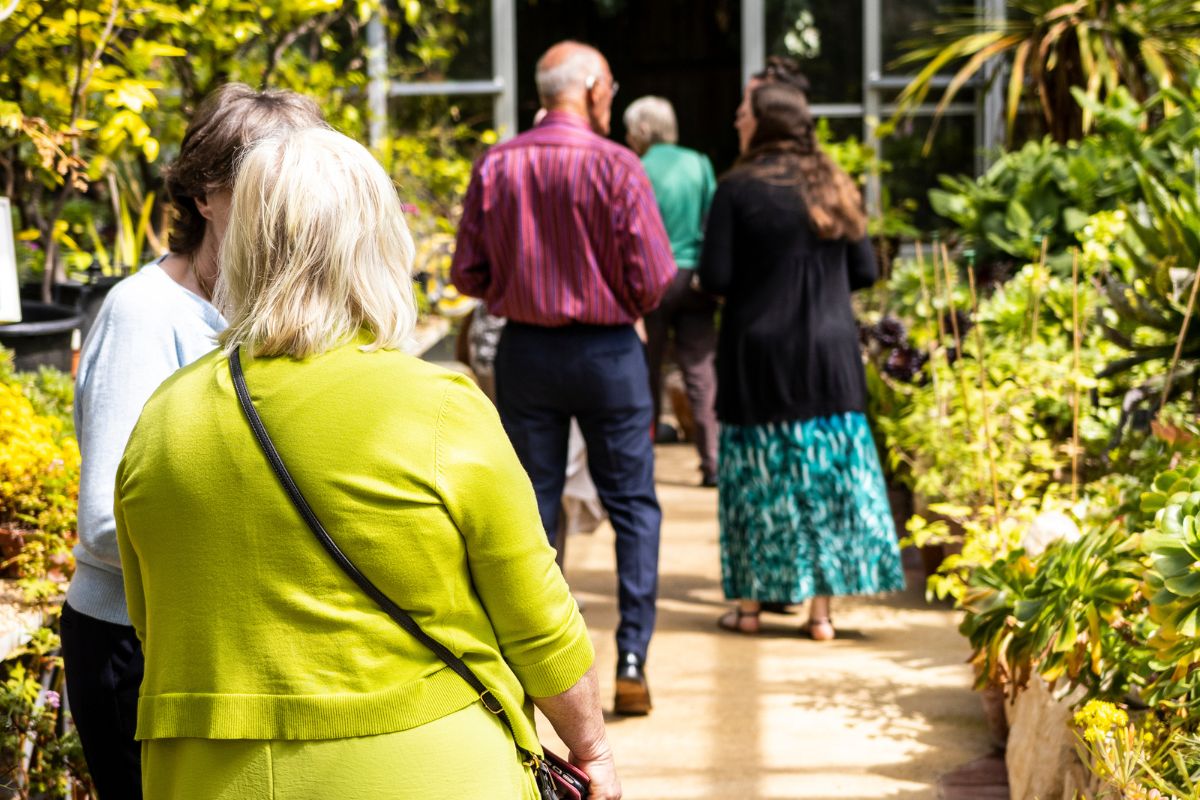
(561, 234)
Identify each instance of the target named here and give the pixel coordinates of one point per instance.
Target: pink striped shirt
(560, 226)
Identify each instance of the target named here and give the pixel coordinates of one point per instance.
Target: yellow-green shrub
(39, 486)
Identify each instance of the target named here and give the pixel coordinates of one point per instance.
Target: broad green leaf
(1184, 585)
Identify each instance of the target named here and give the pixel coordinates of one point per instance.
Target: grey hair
(570, 75)
(650, 120)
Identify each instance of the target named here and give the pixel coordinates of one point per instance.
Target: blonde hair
(316, 249)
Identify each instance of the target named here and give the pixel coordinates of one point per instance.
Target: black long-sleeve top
(788, 347)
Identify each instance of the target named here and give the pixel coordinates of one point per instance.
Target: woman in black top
(803, 504)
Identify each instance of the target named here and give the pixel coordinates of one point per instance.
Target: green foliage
(77, 97)
(1138, 759)
(1173, 582)
(1129, 196)
(983, 535)
(309, 46)
(984, 457)
(1116, 612)
(1153, 251)
(861, 162)
(101, 92)
(32, 720)
(39, 477)
(432, 171)
(1039, 195)
(1064, 615)
(51, 393)
(1048, 49)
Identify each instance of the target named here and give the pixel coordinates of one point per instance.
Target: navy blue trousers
(598, 375)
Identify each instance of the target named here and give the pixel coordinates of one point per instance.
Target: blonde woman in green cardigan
(269, 673)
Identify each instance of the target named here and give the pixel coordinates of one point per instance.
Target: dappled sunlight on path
(879, 713)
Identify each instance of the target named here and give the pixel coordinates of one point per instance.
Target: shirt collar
(565, 118)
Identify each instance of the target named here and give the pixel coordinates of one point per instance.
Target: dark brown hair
(225, 122)
(781, 69)
(784, 151)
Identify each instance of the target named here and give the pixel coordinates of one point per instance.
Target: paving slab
(983, 779)
(881, 712)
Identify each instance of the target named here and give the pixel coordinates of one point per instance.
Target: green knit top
(249, 629)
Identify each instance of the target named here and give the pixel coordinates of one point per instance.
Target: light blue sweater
(148, 327)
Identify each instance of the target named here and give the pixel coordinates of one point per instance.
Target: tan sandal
(736, 620)
(819, 630)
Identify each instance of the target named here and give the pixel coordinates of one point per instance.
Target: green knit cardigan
(249, 629)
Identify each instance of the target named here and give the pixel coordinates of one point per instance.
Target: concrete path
(879, 713)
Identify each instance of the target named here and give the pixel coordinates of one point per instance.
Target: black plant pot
(87, 297)
(43, 338)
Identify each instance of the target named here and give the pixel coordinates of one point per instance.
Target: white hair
(651, 119)
(316, 250)
(569, 75)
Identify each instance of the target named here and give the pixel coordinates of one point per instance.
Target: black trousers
(545, 376)
(691, 316)
(104, 669)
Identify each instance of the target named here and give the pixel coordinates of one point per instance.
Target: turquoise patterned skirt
(804, 511)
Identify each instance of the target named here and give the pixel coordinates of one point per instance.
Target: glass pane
(435, 140)
(914, 172)
(414, 116)
(686, 51)
(843, 128)
(905, 22)
(443, 42)
(826, 37)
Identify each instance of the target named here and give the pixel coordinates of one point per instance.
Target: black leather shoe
(633, 693)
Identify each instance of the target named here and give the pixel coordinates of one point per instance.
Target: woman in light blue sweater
(151, 324)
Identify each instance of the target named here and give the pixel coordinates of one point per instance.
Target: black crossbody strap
(402, 617)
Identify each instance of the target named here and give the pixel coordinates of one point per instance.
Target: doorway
(688, 51)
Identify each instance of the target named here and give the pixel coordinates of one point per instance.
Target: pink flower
(53, 699)
(410, 208)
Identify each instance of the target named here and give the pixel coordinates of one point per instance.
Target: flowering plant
(40, 758)
(39, 486)
(1135, 759)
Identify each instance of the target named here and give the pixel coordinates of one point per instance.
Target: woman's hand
(579, 722)
(602, 771)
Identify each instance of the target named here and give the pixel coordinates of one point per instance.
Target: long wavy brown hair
(784, 152)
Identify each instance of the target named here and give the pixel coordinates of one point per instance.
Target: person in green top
(268, 672)
(684, 184)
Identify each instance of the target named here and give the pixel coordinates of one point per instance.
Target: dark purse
(557, 779)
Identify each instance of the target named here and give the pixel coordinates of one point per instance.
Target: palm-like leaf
(1049, 48)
